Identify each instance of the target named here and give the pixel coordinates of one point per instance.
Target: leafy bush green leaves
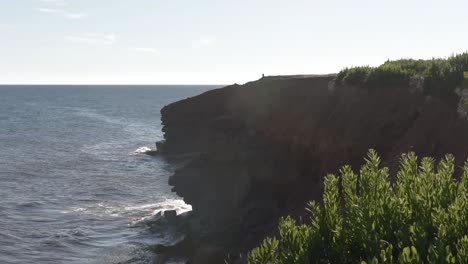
(441, 76)
(365, 218)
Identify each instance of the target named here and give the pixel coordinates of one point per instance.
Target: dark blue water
(73, 186)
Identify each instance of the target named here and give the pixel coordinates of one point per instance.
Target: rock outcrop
(258, 151)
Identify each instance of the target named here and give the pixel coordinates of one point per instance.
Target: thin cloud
(147, 50)
(48, 10)
(93, 38)
(62, 13)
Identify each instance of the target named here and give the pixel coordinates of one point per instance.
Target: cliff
(258, 151)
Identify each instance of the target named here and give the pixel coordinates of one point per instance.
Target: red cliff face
(261, 150)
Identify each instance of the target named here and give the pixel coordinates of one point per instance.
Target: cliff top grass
(438, 76)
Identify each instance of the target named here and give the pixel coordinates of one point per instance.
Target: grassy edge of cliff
(439, 77)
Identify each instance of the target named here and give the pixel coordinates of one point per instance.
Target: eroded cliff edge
(259, 151)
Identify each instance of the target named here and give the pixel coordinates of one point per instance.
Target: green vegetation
(365, 218)
(465, 80)
(440, 77)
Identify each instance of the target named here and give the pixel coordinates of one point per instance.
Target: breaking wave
(142, 150)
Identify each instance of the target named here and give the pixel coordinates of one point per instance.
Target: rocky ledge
(252, 153)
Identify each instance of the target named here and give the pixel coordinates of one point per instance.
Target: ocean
(74, 184)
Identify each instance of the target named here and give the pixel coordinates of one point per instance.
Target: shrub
(356, 76)
(465, 80)
(441, 76)
(365, 218)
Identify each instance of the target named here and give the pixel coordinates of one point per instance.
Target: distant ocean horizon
(75, 186)
(114, 85)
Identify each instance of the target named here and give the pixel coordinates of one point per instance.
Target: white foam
(146, 220)
(141, 150)
(138, 213)
(140, 207)
(158, 209)
(176, 204)
(169, 204)
(99, 209)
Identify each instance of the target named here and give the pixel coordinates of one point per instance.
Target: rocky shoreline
(249, 154)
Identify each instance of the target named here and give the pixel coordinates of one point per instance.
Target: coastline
(259, 151)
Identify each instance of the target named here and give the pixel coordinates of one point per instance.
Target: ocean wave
(4, 236)
(99, 209)
(146, 221)
(158, 210)
(141, 150)
(167, 205)
(30, 204)
(92, 114)
(134, 212)
(102, 150)
(125, 254)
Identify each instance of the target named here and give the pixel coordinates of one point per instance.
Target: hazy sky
(216, 41)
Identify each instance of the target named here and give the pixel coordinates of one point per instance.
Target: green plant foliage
(422, 217)
(356, 76)
(440, 76)
(465, 80)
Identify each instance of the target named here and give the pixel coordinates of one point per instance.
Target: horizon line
(124, 84)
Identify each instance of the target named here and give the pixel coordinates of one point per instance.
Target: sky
(216, 41)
